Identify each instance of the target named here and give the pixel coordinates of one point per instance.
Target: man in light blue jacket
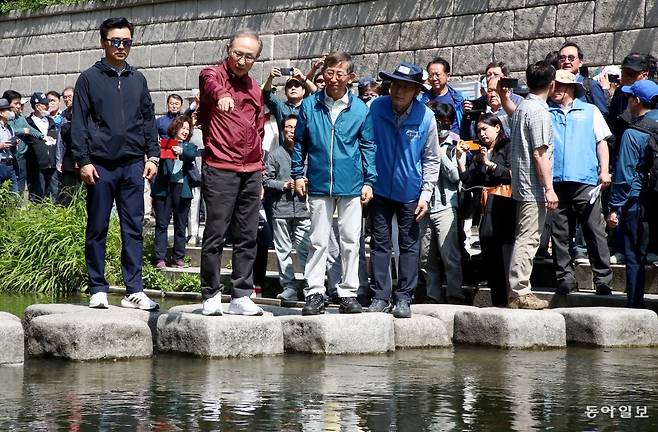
(334, 138)
(408, 165)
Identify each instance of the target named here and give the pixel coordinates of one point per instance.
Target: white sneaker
(98, 301)
(213, 305)
(244, 306)
(139, 301)
(617, 258)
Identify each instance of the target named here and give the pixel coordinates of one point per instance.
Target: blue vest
(399, 150)
(574, 154)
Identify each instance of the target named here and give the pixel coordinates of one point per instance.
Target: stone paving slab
(510, 328)
(89, 335)
(444, 312)
(610, 327)
(185, 330)
(197, 308)
(11, 339)
(363, 333)
(420, 331)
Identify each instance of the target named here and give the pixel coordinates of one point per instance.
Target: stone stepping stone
(420, 331)
(610, 327)
(36, 310)
(89, 335)
(363, 333)
(510, 328)
(11, 339)
(185, 330)
(444, 312)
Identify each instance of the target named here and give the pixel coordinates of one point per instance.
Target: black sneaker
(314, 305)
(603, 289)
(349, 305)
(566, 288)
(379, 305)
(402, 309)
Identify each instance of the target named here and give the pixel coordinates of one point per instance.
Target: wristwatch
(155, 160)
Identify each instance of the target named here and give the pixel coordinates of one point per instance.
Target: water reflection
(468, 389)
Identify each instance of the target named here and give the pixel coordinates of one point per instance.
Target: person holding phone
(7, 146)
(172, 192)
(491, 169)
(297, 87)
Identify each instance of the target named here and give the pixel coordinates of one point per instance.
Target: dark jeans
(381, 215)
(21, 173)
(42, 184)
(632, 232)
(7, 172)
(125, 185)
(163, 208)
(232, 198)
(263, 241)
(574, 204)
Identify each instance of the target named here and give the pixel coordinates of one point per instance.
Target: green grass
(42, 249)
(27, 5)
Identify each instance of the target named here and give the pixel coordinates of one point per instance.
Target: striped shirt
(530, 129)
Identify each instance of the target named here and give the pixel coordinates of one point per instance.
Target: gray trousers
(574, 204)
(530, 217)
(440, 242)
(289, 233)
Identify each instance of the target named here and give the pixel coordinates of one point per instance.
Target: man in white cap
(580, 171)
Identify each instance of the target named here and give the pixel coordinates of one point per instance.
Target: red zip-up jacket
(233, 140)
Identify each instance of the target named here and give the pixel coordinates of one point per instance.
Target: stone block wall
(47, 49)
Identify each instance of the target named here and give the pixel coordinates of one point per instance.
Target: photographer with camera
(297, 87)
(491, 168)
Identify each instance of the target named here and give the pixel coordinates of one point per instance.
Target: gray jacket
(448, 184)
(285, 204)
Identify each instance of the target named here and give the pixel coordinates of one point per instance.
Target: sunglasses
(116, 42)
(569, 57)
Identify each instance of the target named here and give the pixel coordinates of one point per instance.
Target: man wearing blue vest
(408, 163)
(580, 170)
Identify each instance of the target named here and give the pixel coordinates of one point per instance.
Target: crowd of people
(561, 164)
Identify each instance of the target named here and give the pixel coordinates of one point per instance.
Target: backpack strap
(587, 84)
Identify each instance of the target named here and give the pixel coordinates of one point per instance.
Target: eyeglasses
(240, 55)
(569, 57)
(116, 42)
(339, 75)
(435, 75)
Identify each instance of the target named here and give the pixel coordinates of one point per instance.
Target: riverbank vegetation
(42, 249)
(27, 5)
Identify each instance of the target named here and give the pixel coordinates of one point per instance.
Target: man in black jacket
(113, 129)
(41, 151)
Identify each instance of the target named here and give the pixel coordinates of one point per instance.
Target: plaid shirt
(530, 129)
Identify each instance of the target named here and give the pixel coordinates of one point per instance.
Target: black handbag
(194, 174)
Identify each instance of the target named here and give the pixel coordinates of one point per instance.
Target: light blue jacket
(340, 156)
(574, 155)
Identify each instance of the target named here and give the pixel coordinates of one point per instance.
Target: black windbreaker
(113, 118)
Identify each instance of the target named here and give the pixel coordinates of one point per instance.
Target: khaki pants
(530, 217)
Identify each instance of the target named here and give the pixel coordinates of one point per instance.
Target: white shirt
(42, 124)
(599, 125)
(5, 135)
(336, 106)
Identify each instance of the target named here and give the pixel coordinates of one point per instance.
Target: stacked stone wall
(174, 40)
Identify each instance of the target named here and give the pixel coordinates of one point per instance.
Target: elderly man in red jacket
(232, 119)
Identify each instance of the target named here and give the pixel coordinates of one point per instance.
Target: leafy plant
(25, 5)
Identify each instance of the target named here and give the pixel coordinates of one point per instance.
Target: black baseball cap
(636, 62)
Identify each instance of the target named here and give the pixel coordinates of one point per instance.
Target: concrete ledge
(11, 339)
(444, 312)
(510, 328)
(610, 327)
(420, 331)
(363, 333)
(89, 335)
(185, 330)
